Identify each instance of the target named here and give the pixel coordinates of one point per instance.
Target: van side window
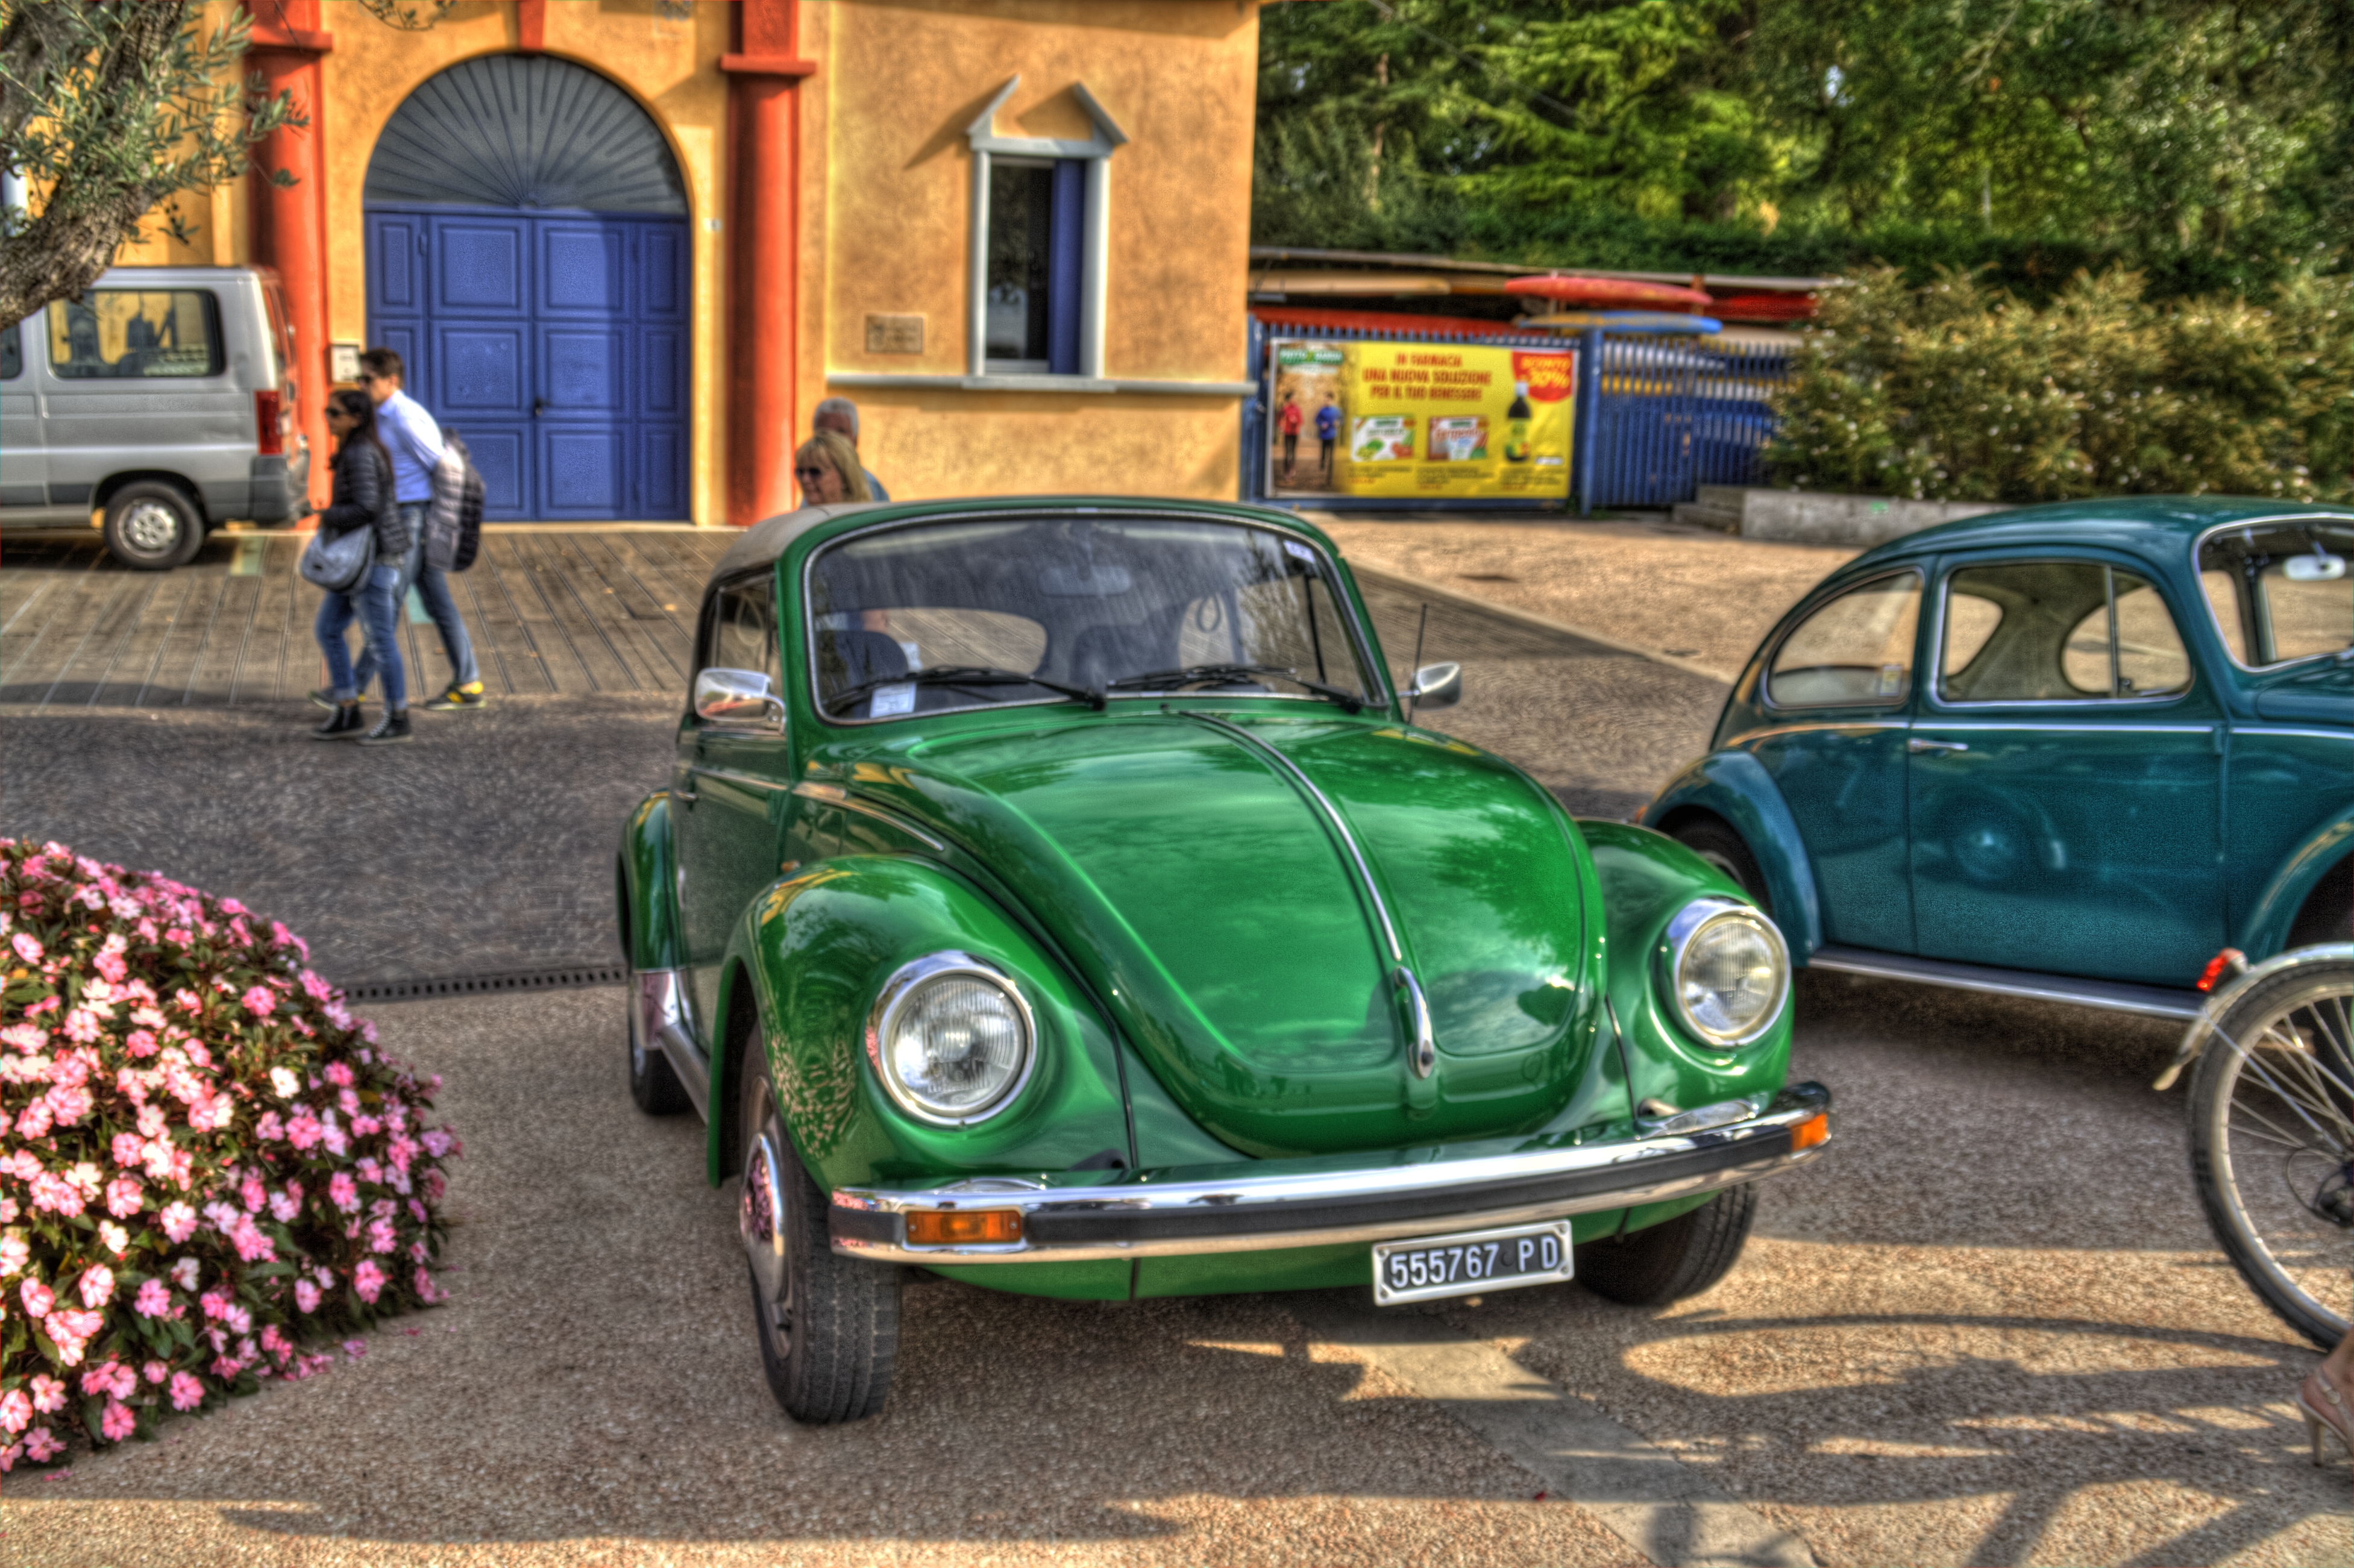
(11, 354)
(111, 333)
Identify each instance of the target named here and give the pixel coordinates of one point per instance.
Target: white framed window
(1039, 245)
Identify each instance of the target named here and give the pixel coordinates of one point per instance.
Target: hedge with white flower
(206, 1166)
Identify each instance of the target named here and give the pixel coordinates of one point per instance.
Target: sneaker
(393, 726)
(325, 697)
(344, 722)
(459, 700)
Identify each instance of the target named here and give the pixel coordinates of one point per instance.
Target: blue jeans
(376, 604)
(432, 586)
(374, 655)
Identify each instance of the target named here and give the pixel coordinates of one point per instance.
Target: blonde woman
(826, 467)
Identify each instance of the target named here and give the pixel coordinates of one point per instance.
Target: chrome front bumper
(1263, 1205)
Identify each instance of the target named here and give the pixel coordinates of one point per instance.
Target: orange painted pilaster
(764, 116)
(289, 223)
(531, 26)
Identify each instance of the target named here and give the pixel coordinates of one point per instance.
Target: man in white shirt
(414, 442)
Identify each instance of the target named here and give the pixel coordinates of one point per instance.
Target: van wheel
(152, 525)
(1668, 1262)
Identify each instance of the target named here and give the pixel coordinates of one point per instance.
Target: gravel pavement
(1989, 1328)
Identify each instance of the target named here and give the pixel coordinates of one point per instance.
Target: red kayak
(1572, 290)
(1763, 307)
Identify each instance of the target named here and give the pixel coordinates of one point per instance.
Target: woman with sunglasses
(828, 470)
(363, 499)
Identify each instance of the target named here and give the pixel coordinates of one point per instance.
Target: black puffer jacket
(363, 498)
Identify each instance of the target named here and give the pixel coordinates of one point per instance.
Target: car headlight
(951, 1038)
(1727, 969)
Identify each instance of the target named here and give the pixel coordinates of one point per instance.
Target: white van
(161, 405)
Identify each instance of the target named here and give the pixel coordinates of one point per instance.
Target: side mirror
(737, 696)
(1438, 685)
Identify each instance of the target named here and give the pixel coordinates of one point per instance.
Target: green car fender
(811, 954)
(1734, 785)
(2277, 907)
(646, 888)
(1646, 878)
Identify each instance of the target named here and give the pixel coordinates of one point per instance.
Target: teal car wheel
(1714, 842)
(828, 1326)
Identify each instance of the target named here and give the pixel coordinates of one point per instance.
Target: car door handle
(1920, 746)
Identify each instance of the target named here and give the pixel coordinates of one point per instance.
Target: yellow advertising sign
(1433, 420)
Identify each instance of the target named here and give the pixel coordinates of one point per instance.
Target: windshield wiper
(963, 675)
(1229, 674)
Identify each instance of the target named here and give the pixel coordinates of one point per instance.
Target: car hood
(1211, 905)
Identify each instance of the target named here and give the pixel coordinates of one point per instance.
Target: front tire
(1670, 1260)
(152, 526)
(828, 1326)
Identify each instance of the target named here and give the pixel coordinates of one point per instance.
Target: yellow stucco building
(627, 246)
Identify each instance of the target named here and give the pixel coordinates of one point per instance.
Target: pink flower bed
(206, 1164)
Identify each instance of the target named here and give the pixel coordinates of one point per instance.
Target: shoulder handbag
(342, 563)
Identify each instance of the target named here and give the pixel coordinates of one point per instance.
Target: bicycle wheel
(2271, 1143)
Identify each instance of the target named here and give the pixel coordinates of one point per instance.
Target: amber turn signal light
(1816, 1128)
(953, 1227)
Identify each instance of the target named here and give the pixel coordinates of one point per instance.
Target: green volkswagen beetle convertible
(1059, 896)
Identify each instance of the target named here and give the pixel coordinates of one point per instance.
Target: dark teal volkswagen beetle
(1059, 896)
(2066, 751)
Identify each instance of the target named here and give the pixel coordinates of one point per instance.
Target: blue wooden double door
(555, 344)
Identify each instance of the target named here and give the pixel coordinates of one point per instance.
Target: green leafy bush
(1960, 392)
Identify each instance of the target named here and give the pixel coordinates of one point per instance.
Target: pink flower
(369, 1280)
(186, 1392)
(155, 1371)
(179, 1223)
(81, 1025)
(356, 1348)
(123, 1196)
(96, 1285)
(110, 1377)
(253, 1192)
(140, 1043)
(437, 1142)
(48, 1394)
(319, 988)
(184, 1273)
(37, 1297)
(259, 1001)
(153, 1301)
(33, 1121)
(381, 1237)
(303, 1130)
(112, 966)
(41, 1446)
(344, 1192)
(126, 1146)
(215, 1303)
(27, 949)
(306, 1295)
(340, 1075)
(118, 1423)
(16, 1412)
(428, 1290)
(13, 1254)
(270, 1130)
(284, 1207)
(67, 1105)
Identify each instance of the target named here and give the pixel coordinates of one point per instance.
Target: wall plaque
(894, 334)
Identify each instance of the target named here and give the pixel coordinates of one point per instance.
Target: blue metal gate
(1669, 415)
(556, 345)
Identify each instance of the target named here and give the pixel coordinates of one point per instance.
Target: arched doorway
(527, 256)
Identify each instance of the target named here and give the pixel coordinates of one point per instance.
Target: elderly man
(839, 414)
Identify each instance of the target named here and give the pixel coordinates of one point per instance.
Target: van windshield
(2282, 590)
(925, 618)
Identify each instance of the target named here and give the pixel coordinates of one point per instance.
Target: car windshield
(928, 617)
(2281, 590)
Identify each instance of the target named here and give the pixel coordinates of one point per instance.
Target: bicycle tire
(2273, 1084)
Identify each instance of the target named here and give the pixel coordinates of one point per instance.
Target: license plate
(1431, 1266)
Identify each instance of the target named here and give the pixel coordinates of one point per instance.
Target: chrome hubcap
(150, 527)
(760, 1222)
